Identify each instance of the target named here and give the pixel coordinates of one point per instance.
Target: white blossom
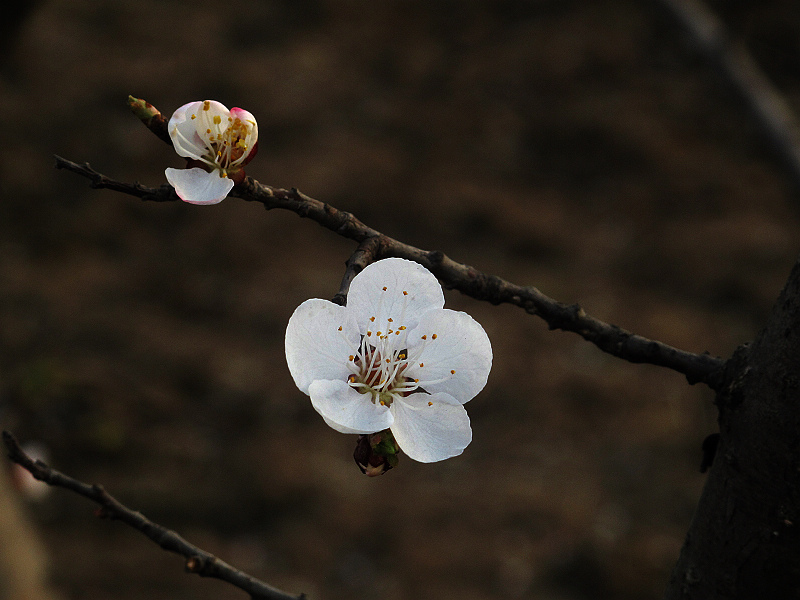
(218, 143)
(392, 358)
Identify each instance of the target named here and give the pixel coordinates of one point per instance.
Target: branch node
(435, 257)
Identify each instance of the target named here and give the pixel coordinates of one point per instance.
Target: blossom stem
(697, 368)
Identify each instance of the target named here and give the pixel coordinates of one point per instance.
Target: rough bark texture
(744, 541)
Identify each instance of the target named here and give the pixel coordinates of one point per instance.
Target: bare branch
(769, 109)
(197, 560)
(698, 368)
(365, 254)
(99, 181)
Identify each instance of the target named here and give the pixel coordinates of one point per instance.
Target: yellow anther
(217, 119)
(421, 364)
(351, 357)
(369, 333)
(405, 293)
(402, 356)
(424, 337)
(433, 337)
(384, 288)
(390, 319)
(208, 131)
(372, 319)
(430, 403)
(380, 334)
(206, 105)
(452, 372)
(351, 379)
(402, 328)
(340, 327)
(416, 381)
(194, 116)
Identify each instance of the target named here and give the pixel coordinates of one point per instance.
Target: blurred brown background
(579, 146)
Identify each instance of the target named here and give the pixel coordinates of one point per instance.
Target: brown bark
(744, 540)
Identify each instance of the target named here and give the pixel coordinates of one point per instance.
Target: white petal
(315, 348)
(183, 131)
(197, 186)
(368, 299)
(461, 345)
(429, 428)
(337, 427)
(346, 410)
(247, 117)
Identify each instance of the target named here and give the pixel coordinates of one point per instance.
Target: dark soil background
(581, 147)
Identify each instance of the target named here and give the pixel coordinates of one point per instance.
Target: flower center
(381, 364)
(227, 140)
(378, 368)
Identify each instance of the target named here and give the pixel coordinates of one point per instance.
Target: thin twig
(698, 368)
(366, 253)
(766, 104)
(198, 561)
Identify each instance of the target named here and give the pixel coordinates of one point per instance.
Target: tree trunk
(744, 540)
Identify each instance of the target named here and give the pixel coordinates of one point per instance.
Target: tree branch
(364, 255)
(698, 368)
(766, 104)
(197, 560)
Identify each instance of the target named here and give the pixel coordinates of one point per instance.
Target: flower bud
(376, 453)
